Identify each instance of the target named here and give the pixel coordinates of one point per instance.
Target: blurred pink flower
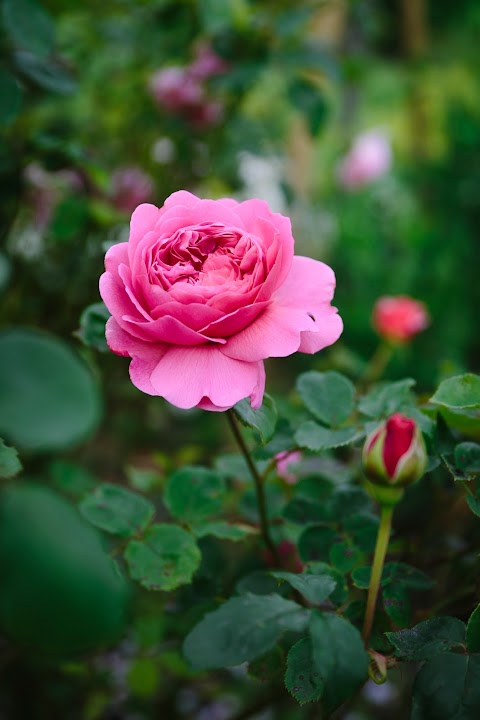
(285, 460)
(130, 186)
(46, 189)
(207, 63)
(176, 89)
(369, 158)
(399, 318)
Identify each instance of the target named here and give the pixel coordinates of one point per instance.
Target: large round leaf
(62, 594)
(49, 399)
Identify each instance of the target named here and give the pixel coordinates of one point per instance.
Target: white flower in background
(261, 177)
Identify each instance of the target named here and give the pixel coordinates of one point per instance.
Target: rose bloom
(399, 318)
(204, 291)
(130, 186)
(369, 158)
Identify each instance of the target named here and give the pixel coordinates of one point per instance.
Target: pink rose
(130, 186)
(285, 461)
(204, 291)
(399, 318)
(175, 89)
(207, 63)
(369, 158)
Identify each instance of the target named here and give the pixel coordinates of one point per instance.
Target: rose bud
(368, 159)
(394, 454)
(399, 318)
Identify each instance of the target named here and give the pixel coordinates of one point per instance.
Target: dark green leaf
(314, 543)
(340, 594)
(317, 438)
(92, 326)
(71, 479)
(303, 512)
(10, 98)
(474, 504)
(362, 528)
(117, 510)
(345, 556)
(194, 494)
(396, 602)
(361, 577)
(339, 657)
(473, 631)
(224, 530)
(306, 96)
(459, 393)
(49, 399)
(467, 457)
(242, 629)
(314, 588)
(428, 638)
(457, 475)
(302, 679)
(388, 398)
(411, 577)
(448, 688)
(165, 558)
(329, 396)
(262, 420)
(47, 74)
(29, 26)
(10, 465)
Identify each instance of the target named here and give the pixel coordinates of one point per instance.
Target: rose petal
(187, 376)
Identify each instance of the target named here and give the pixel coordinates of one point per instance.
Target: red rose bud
(394, 454)
(399, 318)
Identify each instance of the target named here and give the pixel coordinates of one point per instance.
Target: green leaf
(262, 420)
(457, 475)
(396, 602)
(71, 479)
(467, 457)
(117, 510)
(448, 688)
(194, 493)
(317, 438)
(268, 667)
(345, 556)
(92, 326)
(242, 629)
(302, 679)
(388, 398)
(143, 677)
(304, 512)
(216, 16)
(329, 396)
(473, 631)
(314, 588)
(29, 26)
(314, 543)
(10, 465)
(340, 594)
(49, 399)
(398, 572)
(165, 558)
(45, 73)
(428, 638)
(339, 657)
(10, 98)
(361, 577)
(307, 97)
(474, 504)
(225, 530)
(459, 393)
(362, 528)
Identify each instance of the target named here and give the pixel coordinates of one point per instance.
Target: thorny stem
(259, 489)
(381, 546)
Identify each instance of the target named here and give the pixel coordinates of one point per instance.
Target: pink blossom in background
(46, 189)
(369, 158)
(175, 89)
(284, 462)
(207, 63)
(130, 186)
(399, 318)
(204, 291)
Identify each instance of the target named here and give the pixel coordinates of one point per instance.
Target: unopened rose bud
(399, 318)
(394, 454)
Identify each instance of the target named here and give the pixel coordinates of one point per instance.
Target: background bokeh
(104, 105)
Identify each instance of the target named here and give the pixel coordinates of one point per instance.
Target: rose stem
(378, 362)
(262, 506)
(381, 546)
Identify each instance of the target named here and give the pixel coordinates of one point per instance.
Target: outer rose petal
(188, 377)
(142, 221)
(299, 318)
